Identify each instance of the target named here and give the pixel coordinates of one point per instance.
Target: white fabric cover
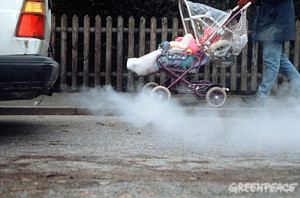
(145, 64)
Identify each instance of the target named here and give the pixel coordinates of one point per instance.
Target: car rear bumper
(27, 73)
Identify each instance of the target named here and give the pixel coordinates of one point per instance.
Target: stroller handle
(244, 8)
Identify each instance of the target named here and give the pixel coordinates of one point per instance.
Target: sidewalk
(71, 104)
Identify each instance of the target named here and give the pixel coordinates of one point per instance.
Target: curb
(27, 110)
(201, 112)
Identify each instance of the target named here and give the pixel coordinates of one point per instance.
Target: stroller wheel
(148, 87)
(160, 93)
(216, 96)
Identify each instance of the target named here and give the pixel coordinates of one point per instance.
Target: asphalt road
(124, 157)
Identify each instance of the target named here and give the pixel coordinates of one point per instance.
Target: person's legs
(271, 58)
(288, 69)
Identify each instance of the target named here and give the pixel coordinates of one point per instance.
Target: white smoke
(249, 130)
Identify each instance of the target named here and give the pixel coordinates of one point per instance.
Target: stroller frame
(214, 93)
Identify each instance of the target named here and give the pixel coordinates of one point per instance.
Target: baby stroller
(209, 36)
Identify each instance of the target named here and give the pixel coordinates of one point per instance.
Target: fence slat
(214, 74)
(142, 40)
(164, 37)
(97, 51)
(86, 51)
(207, 71)
(120, 54)
(174, 36)
(223, 76)
(108, 50)
(174, 29)
(53, 34)
(74, 52)
(254, 66)
(244, 65)
(63, 61)
(153, 32)
(131, 27)
(164, 29)
(233, 75)
(244, 68)
(233, 69)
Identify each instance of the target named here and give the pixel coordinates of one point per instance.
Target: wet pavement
(108, 144)
(98, 156)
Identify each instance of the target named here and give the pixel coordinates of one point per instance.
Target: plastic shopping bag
(145, 64)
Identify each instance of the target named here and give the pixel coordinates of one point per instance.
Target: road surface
(125, 157)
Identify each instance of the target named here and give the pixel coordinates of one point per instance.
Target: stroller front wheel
(148, 87)
(216, 96)
(161, 94)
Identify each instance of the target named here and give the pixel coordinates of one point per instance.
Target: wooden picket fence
(94, 56)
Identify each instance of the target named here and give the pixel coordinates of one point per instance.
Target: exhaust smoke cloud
(247, 131)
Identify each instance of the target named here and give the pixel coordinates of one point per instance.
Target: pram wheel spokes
(160, 93)
(216, 96)
(148, 87)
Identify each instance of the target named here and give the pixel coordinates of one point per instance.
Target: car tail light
(32, 19)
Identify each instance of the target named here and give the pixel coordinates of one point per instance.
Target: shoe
(254, 101)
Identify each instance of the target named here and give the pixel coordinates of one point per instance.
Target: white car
(26, 71)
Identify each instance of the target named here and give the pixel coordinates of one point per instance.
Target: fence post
(131, 26)
(207, 71)
(63, 61)
(53, 35)
(74, 52)
(244, 71)
(223, 76)
(108, 50)
(97, 51)
(164, 37)
(142, 46)
(233, 69)
(233, 75)
(86, 52)
(153, 46)
(174, 36)
(254, 66)
(120, 54)
(214, 74)
(174, 29)
(244, 68)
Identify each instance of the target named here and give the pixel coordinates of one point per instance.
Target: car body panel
(9, 15)
(25, 70)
